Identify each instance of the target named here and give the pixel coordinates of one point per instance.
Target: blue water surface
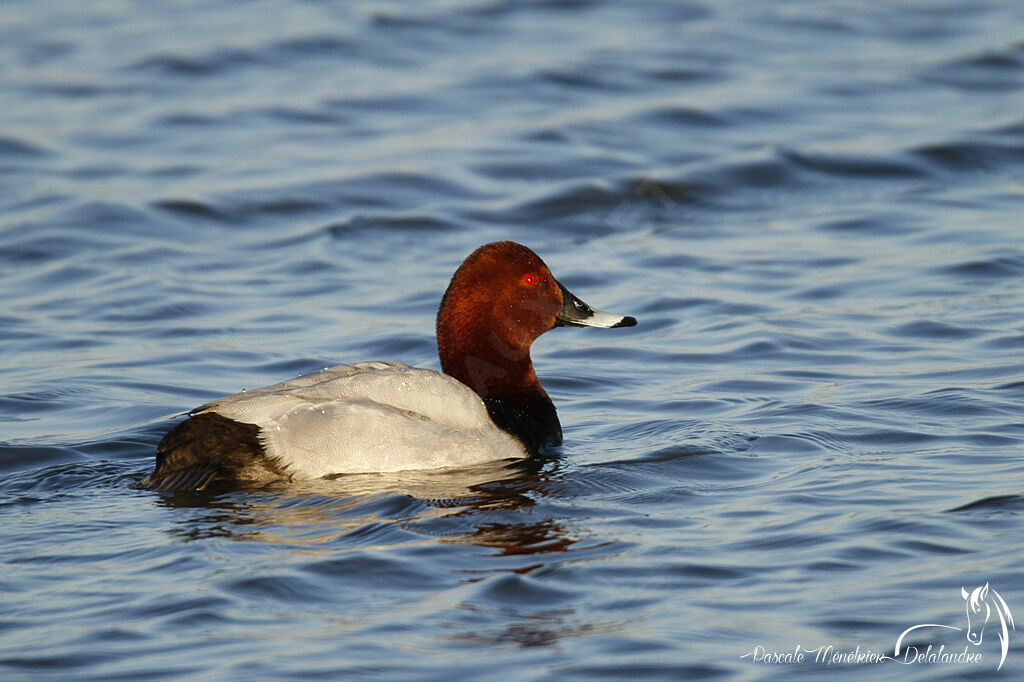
(813, 438)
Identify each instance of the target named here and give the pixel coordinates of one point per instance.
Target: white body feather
(370, 417)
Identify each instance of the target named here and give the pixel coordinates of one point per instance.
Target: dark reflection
(481, 506)
(513, 538)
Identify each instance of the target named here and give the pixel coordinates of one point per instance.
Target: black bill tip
(576, 313)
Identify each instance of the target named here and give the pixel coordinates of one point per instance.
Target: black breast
(535, 422)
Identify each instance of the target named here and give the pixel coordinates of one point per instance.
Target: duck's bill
(576, 313)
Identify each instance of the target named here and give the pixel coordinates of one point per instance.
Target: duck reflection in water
(357, 532)
(477, 506)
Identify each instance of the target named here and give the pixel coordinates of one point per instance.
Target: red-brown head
(500, 299)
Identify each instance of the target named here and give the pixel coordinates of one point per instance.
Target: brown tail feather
(209, 447)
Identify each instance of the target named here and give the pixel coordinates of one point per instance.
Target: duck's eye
(530, 279)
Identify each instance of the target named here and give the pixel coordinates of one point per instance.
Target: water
(813, 438)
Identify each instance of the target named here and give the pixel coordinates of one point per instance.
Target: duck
(486, 403)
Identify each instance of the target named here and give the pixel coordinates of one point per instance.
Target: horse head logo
(980, 603)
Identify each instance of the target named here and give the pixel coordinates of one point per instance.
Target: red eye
(530, 279)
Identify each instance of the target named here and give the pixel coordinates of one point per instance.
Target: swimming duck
(486, 404)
